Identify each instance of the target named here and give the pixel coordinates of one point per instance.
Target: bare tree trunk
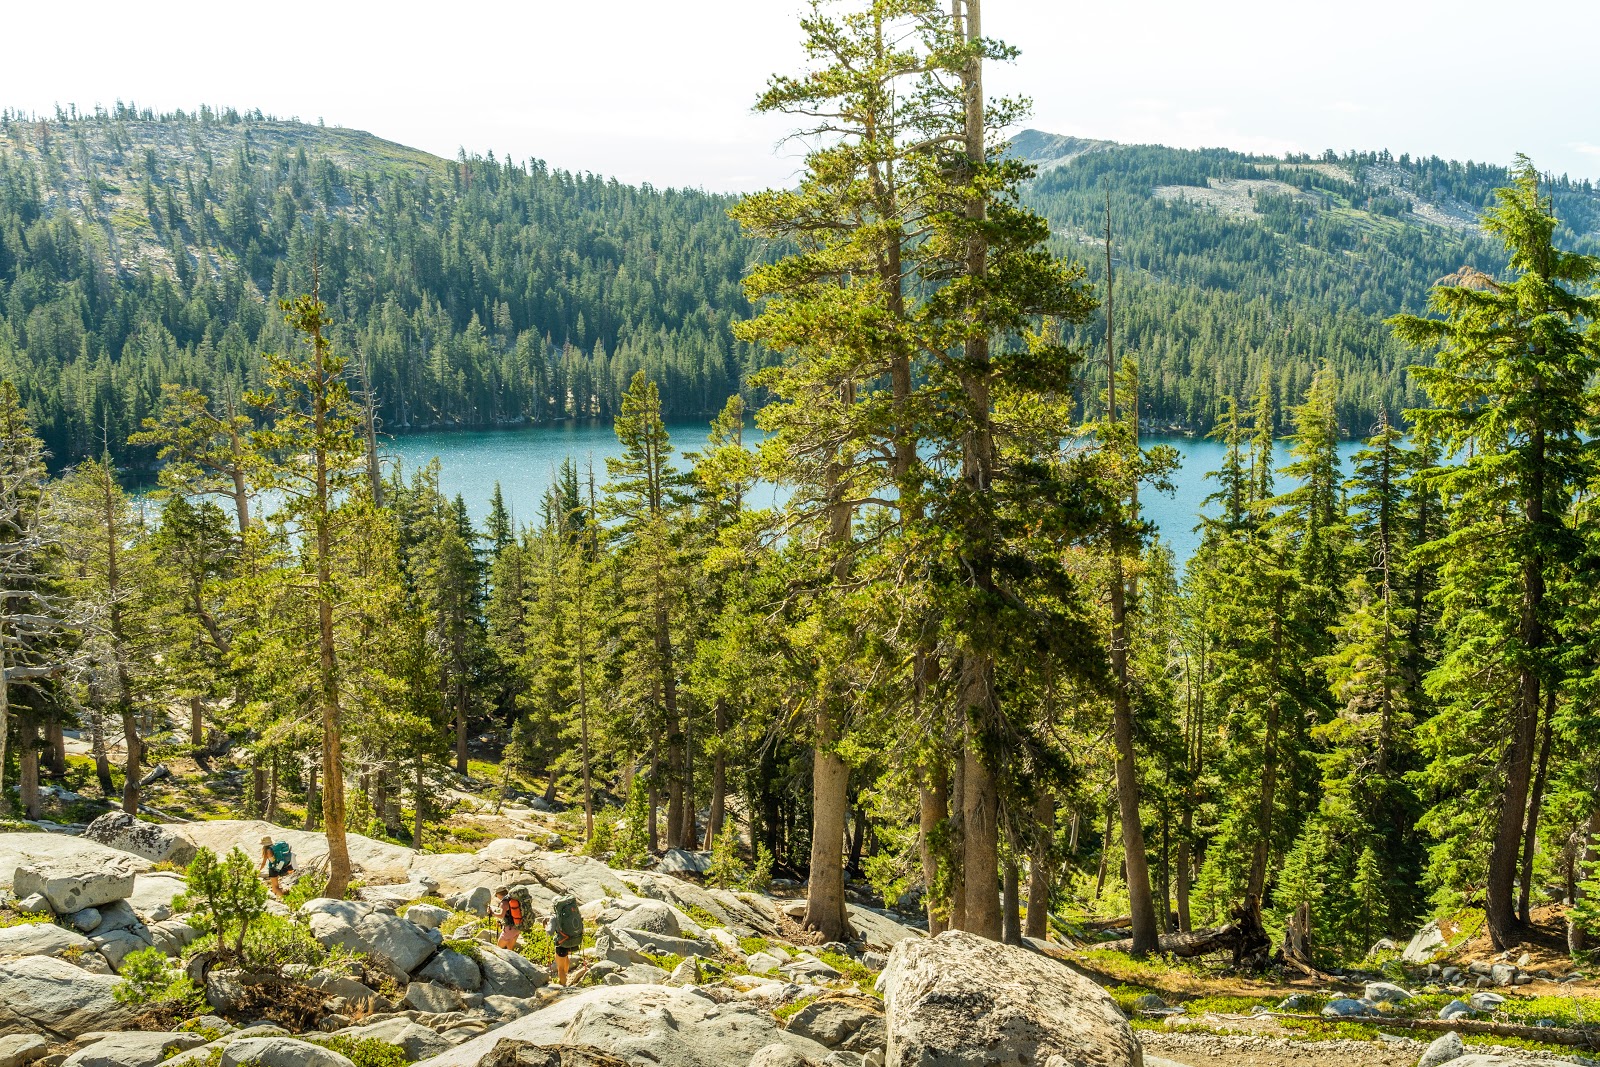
(130, 765)
(461, 728)
(1040, 866)
(1269, 769)
(981, 841)
(28, 766)
(1588, 853)
(272, 791)
(825, 908)
(311, 799)
(935, 809)
(1184, 924)
(1011, 904)
(419, 798)
(1105, 857)
(1530, 837)
(97, 748)
(655, 797)
(197, 722)
(719, 776)
(957, 843)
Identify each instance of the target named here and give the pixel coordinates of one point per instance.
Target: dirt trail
(1235, 1050)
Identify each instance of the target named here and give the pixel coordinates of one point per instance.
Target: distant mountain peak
(1049, 150)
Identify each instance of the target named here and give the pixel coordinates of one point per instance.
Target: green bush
(146, 979)
(603, 840)
(633, 834)
(275, 943)
(306, 887)
(226, 897)
(365, 1052)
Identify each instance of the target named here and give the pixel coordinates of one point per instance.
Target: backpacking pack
(568, 921)
(519, 893)
(282, 855)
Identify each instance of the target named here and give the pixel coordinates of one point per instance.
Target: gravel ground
(1233, 1050)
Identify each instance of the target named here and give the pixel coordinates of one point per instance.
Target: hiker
(566, 930)
(512, 913)
(277, 860)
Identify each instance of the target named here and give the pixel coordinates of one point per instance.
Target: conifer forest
(955, 670)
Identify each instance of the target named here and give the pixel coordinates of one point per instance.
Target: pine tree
(1512, 396)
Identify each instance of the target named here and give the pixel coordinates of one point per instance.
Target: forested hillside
(1230, 264)
(137, 250)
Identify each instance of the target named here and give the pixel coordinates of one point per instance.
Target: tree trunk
(981, 834)
(1040, 867)
(28, 766)
(461, 728)
(825, 907)
(957, 846)
(1256, 886)
(1146, 934)
(1105, 857)
(655, 797)
(1530, 837)
(935, 808)
(272, 791)
(311, 798)
(419, 798)
(56, 746)
(197, 722)
(1589, 853)
(97, 746)
(583, 717)
(130, 765)
(1499, 901)
(1011, 904)
(719, 776)
(1184, 924)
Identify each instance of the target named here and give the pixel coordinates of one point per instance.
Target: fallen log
(1227, 938)
(1555, 1035)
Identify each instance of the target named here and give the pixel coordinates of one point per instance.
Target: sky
(660, 92)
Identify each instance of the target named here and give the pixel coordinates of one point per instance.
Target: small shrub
(751, 945)
(365, 1052)
(275, 943)
(306, 887)
(603, 840)
(146, 979)
(633, 836)
(784, 1012)
(226, 897)
(704, 918)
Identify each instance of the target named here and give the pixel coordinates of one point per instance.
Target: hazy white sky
(660, 90)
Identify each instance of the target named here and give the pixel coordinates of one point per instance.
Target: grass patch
(751, 945)
(703, 918)
(794, 1007)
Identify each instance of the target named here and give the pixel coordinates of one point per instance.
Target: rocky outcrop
(42, 939)
(362, 927)
(70, 886)
(958, 1000)
(60, 851)
(135, 1048)
(374, 862)
(44, 995)
(158, 844)
(842, 1021)
(657, 1024)
(280, 1052)
(19, 1050)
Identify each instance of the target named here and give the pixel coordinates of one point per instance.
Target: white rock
(650, 916)
(417, 1042)
(959, 999)
(71, 888)
(1424, 944)
(18, 849)
(44, 995)
(41, 939)
(451, 968)
(133, 1048)
(432, 997)
(427, 916)
(280, 1052)
(153, 894)
(363, 927)
(657, 1024)
(19, 1050)
(777, 1055)
(1486, 1001)
(1444, 1049)
(124, 832)
(1381, 992)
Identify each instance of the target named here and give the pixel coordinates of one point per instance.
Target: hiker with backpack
(277, 860)
(565, 927)
(512, 904)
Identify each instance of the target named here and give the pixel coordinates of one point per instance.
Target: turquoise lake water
(524, 462)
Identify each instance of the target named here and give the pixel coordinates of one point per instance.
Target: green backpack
(568, 923)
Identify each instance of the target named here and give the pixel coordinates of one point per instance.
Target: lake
(524, 462)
